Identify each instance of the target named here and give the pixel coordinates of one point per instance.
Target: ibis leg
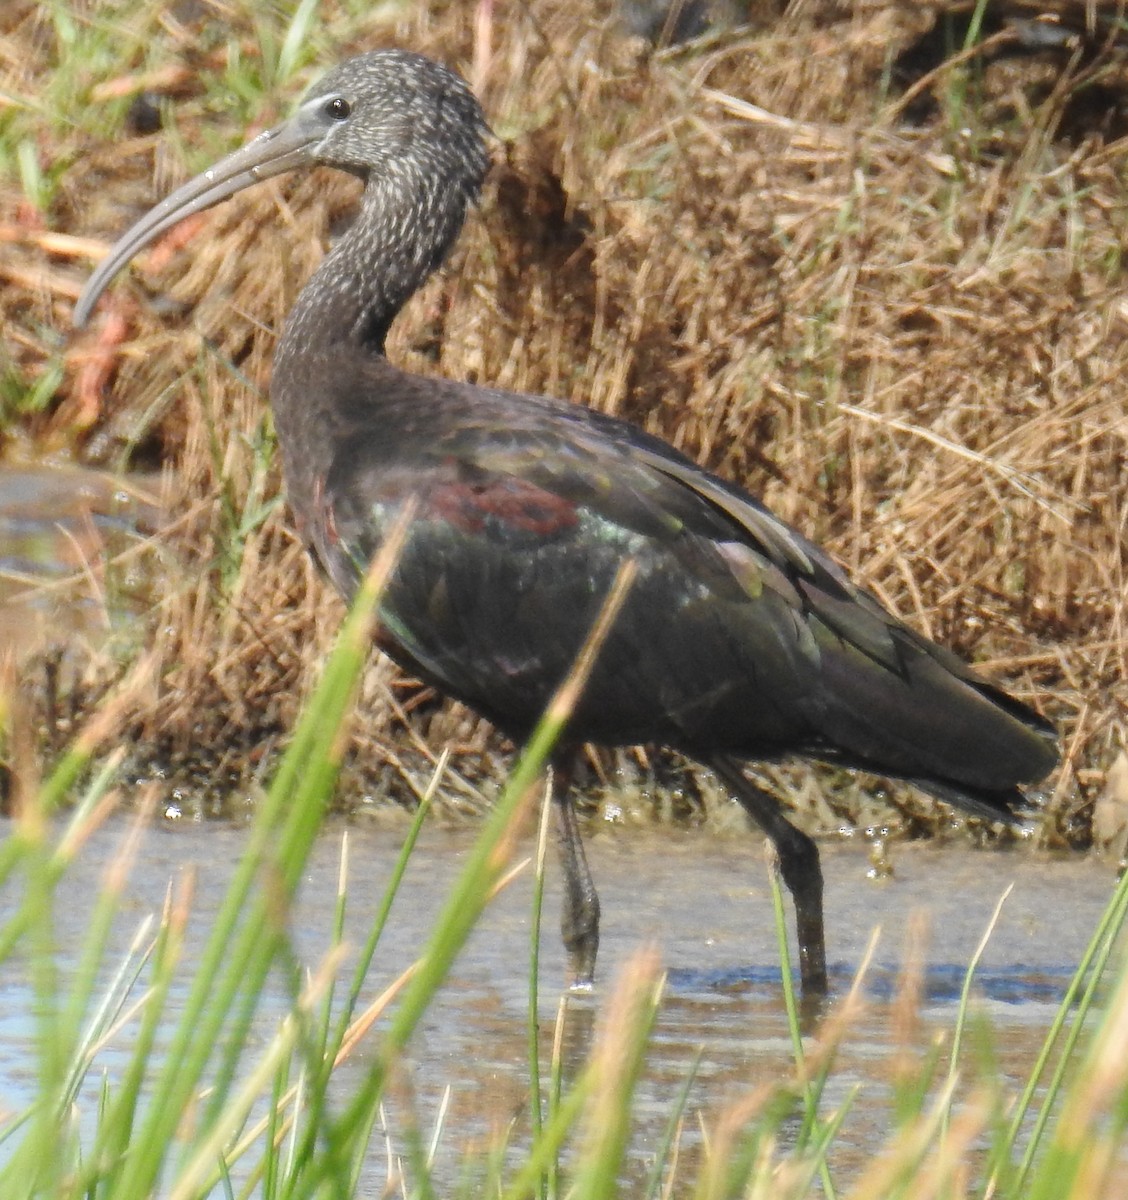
(799, 865)
(579, 919)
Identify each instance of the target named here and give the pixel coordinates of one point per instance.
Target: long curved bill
(286, 146)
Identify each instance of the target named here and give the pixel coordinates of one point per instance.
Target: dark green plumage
(739, 639)
(738, 636)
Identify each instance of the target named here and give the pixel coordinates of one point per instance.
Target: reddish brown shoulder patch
(510, 501)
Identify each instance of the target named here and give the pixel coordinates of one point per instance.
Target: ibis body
(739, 639)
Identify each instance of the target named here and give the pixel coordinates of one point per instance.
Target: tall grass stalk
(471, 890)
(1074, 1010)
(535, 1113)
(964, 1009)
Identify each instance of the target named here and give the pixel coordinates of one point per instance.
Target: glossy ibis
(739, 640)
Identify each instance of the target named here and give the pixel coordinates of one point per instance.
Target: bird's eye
(338, 108)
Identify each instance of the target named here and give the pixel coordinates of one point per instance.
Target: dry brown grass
(912, 340)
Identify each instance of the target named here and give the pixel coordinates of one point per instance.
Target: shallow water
(704, 903)
(60, 528)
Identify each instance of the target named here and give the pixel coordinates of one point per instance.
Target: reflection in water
(704, 903)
